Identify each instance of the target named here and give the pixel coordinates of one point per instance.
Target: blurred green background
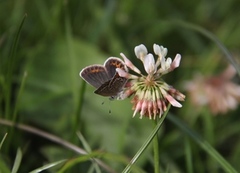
(59, 38)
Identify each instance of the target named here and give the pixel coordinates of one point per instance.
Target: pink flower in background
(218, 92)
(151, 94)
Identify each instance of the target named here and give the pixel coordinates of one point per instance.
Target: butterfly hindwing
(112, 87)
(111, 64)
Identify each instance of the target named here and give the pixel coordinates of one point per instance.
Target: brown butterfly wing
(111, 64)
(96, 75)
(112, 87)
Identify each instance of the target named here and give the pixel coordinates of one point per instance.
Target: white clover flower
(150, 93)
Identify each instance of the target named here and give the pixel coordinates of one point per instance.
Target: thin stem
(156, 152)
(188, 154)
(146, 143)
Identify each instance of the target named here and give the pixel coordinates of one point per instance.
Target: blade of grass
(3, 139)
(48, 166)
(146, 143)
(202, 143)
(17, 161)
(87, 147)
(10, 69)
(188, 154)
(80, 159)
(19, 96)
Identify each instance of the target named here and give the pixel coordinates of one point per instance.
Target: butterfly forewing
(96, 75)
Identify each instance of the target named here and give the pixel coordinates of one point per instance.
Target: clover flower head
(218, 92)
(150, 93)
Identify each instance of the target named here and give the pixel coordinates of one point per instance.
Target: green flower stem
(156, 152)
(147, 142)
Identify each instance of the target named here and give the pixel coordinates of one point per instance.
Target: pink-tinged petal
(130, 64)
(173, 102)
(155, 110)
(164, 106)
(176, 62)
(123, 73)
(137, 108)
(149, 64)
(159, 103)
(140, 51)
(143, 108)
(176, 94)
(150, 109)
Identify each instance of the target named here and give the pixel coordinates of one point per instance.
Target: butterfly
(105, 78)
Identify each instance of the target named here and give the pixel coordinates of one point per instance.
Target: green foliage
(45, 44)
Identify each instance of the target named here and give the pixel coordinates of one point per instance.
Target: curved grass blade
(3, 139)
(10, 69)
(17, 161)
(48, 166)
(89, 150)
(80, 159)
(22, 85)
